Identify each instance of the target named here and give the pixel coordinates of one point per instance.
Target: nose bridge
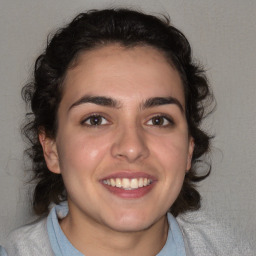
(130, 143)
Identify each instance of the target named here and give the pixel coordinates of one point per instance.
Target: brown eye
(95, 120)
(160, 121)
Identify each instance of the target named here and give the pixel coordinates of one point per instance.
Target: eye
(162, 121)
(95, 120)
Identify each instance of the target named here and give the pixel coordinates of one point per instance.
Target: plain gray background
(223, 38)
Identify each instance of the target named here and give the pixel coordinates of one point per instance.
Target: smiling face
(122, 145)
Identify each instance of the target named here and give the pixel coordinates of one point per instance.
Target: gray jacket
(203, 236)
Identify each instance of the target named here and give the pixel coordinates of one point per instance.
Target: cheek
(81, 152)
(173, 151)
(171, 154)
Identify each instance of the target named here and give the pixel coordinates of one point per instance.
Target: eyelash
(165, 121)
(90, 118)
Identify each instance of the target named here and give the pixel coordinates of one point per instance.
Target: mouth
(128, 184)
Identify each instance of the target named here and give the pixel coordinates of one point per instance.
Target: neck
(89, 237)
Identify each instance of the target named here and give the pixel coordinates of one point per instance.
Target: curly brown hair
(86, 32)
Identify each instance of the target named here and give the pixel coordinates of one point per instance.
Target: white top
(202, 236)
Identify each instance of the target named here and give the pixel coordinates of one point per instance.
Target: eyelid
(168, 118)
(87, 117)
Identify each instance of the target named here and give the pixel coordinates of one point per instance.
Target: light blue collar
(62, 247)
(174, 245)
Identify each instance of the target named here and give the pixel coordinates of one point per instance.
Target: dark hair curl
(94, 29)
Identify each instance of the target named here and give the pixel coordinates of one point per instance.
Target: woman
(117, 103)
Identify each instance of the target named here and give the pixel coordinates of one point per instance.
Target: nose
(130, 144)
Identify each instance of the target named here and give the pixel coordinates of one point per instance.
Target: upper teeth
(128, 184)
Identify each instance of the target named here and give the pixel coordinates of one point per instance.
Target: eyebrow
(98, 100)
(159, 101)
(109, 102)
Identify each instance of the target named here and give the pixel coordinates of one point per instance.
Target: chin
(128, 223)
(128, 227)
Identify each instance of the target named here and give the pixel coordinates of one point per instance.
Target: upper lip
(129, 175)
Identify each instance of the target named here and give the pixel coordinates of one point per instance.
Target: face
(122, 144)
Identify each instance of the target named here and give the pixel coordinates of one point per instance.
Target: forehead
(140, 71)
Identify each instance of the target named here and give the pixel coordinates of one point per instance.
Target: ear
(190, 152)
(50, 152)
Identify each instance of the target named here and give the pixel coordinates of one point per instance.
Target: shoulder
(206, 235)
(31, 239)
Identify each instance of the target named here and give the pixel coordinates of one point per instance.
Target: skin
(130, 137)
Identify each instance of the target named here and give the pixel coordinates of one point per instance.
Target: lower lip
(129, 194)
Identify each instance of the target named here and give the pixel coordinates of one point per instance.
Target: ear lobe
(50, 152)
(190, 153)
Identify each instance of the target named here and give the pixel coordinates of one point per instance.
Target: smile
(127, 184)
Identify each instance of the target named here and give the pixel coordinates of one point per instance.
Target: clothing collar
(174, 245)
